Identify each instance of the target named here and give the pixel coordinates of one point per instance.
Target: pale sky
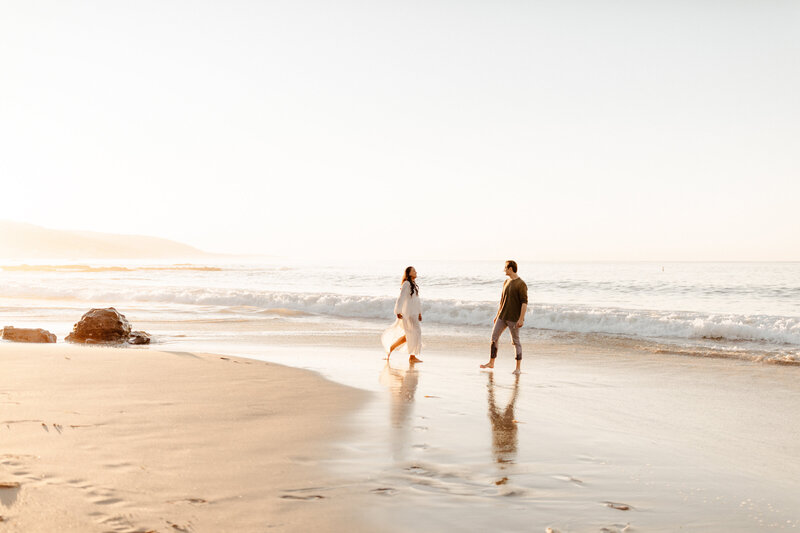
(558, 130)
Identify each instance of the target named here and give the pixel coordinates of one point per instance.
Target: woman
(408, 309)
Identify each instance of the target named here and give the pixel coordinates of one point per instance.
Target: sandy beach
(589, 438)
(136, 440)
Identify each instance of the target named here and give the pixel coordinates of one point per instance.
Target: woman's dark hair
(407, 277)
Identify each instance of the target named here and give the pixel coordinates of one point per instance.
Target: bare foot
(517, 372)
(414, 359)
(490, 364)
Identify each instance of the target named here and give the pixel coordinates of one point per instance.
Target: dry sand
(129, 440)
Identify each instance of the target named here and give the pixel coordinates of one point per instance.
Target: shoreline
(105, 439)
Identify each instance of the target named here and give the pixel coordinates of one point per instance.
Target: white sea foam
(653, 324)
(667, 324)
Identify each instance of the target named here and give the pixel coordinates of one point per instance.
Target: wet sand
(138, 440)
(584, 440)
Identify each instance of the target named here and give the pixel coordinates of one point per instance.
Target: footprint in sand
(16, 460)
(591, 459)
(121, 523)
(184, 529)
(618, 506)
(8, 492)
(384, 491)
(306, 497)
(108, 501)
(565, 477)
(616, 529)
(195, 501)
(115, 466)
(310, 497)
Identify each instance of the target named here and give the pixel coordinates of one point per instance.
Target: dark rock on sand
(10, 333)
(101, 325)
(139, 337)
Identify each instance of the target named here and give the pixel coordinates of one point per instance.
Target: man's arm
(523, 296)
(500, 305)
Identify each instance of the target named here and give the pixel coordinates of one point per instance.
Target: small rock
(101, 325)
(10, 333)
(139, 337)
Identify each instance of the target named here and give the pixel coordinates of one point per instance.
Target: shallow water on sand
(576, 443)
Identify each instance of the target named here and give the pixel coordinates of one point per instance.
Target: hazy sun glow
(539, 130)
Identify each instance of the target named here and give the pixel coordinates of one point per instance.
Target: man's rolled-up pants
(499, 327)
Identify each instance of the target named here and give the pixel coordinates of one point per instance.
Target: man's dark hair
(512, 264)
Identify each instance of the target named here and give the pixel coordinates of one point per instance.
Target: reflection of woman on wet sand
(403, 385)
(408, 309)
(504, 427)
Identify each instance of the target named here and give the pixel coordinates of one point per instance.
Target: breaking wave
(557, 317)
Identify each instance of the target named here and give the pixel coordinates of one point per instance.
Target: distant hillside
(24, 241)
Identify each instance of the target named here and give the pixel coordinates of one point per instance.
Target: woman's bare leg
(394, 346)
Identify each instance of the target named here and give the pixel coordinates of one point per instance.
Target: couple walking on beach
(408, 309)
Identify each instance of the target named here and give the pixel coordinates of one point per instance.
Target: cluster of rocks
(97, 326)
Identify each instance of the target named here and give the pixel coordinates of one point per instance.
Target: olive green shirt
(515, 293)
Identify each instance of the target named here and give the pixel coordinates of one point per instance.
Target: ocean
(739, 310)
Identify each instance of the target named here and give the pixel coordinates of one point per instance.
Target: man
(510, 313)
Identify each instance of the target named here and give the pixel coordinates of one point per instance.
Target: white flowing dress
(410, 306)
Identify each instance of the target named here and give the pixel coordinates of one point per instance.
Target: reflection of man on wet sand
(504, 428)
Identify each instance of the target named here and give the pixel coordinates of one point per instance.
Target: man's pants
(499, 327)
